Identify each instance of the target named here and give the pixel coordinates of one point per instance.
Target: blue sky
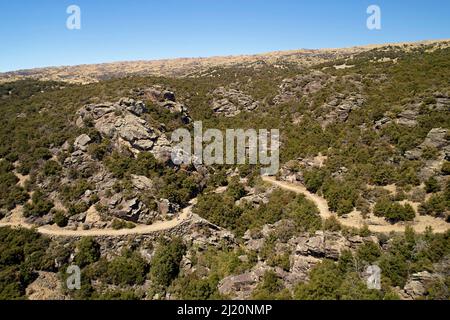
(34, 34)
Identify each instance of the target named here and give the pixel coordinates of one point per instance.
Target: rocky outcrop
(438, 139)
(239, 287)
(231, 102)
(407, 118)
(338, 109)
(201, 233)
(123, 124)
(165, 99)
(82, 142)
(300, 86)
(416, 287)
(321, 245)
(305, 252)
(441, 102)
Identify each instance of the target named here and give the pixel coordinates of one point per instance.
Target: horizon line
(362, 46)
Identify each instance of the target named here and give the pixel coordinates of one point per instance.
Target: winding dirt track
(138, 230)
(355, 220)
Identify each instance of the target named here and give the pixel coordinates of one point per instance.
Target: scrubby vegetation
(373, 151)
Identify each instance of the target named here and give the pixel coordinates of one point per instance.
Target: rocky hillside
(194, 67)
(86, 178)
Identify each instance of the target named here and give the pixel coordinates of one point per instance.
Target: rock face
(302, 85)
(166, 99)
(305, 252)
(417, 284)
(240, 286)
(437, 139)
(322, 245)
(441, 103)
(339, 108)
(231, 102)
(142, 183)
(408, 118)
(82, 142)
(201, 234)
(122, 123)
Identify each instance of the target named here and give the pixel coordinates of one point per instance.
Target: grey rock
(240, 286)
(82, 142)
(141, 182)
(300, 86)
(416, 286)
(231, 102)
(122, 124)
(408, 118)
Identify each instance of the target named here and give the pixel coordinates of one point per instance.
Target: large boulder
(322, 245)
(82, 142)
(417, 284)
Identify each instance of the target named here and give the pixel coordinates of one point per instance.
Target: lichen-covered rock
(165, 99)
(82, 142)
(122, 123)
(300, 86)
(338, 109)
(240, 286)
(417, 284)
(231, 102)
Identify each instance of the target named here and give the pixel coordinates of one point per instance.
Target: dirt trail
(140, 229)
(355, 219)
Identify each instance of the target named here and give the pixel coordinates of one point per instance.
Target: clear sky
(33, 33)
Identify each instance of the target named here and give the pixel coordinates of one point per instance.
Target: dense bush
(327, 282)
(446, 168)
(127, 269)
(165, 264)
(394, 211)
(432, 185)
(88, 251)
(118, 224)
(314, 180)
(10, 193)
(60, 218)
(435, 206)
(39, 207)
(22, 252)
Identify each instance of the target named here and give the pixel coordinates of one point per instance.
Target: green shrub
(432, 185)
(51, 168)
(22, 251)
(118, 224)
(39, 207)
(88, 251)
(446, 168)
(313, 180)
(435, 206)
(235, 189)
(128, 269)
(393, 211)
(368, 253)
(60, 219)
(166, 262)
